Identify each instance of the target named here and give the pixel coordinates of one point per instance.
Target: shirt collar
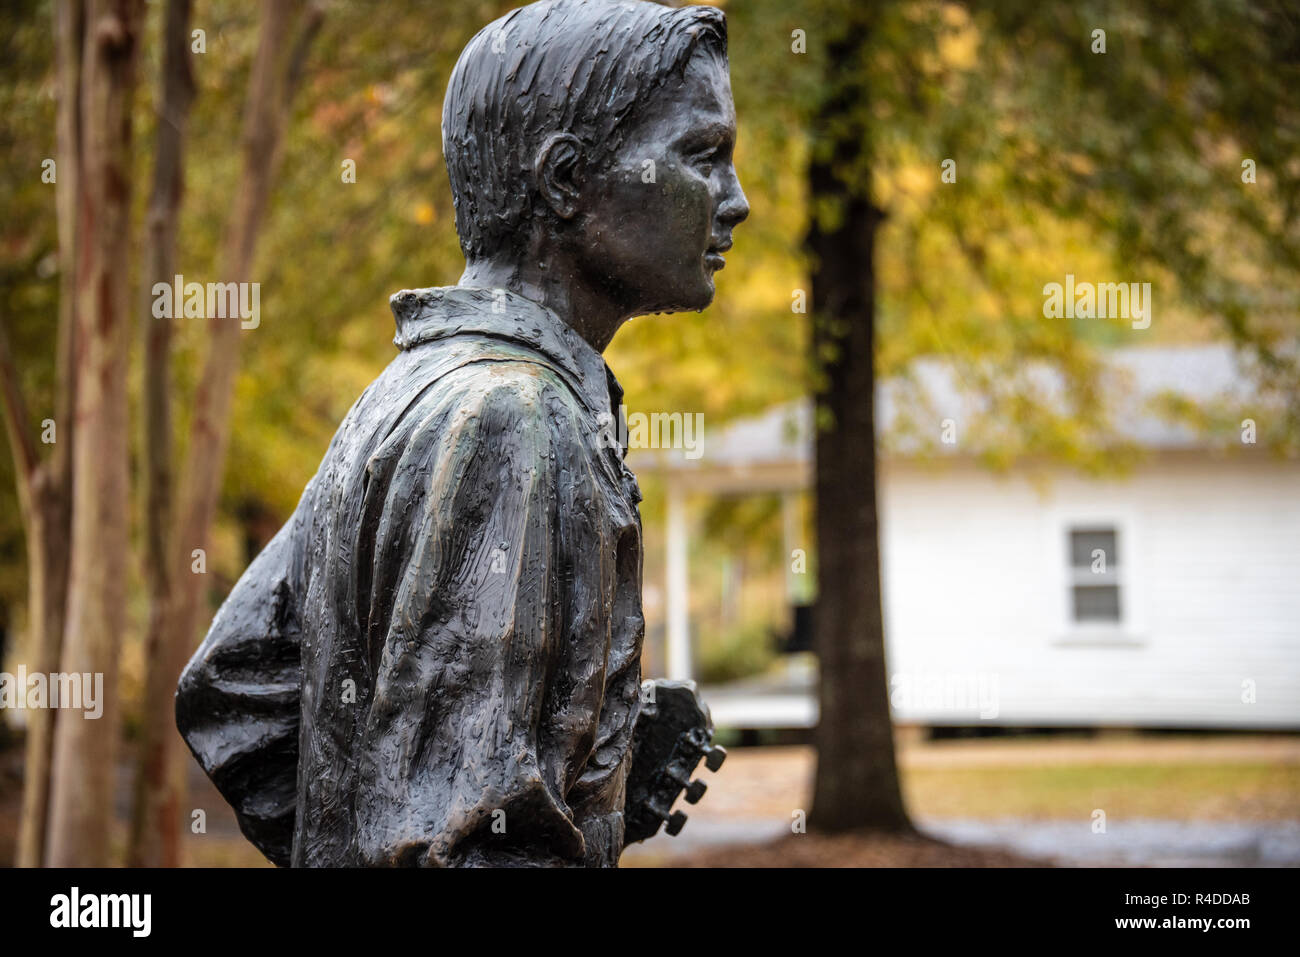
(440, 312)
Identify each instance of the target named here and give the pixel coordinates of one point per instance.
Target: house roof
(1133, 378)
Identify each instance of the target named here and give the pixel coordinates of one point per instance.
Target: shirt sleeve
(237, 702)
(481, 720)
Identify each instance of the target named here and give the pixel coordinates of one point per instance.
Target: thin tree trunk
(39, 511)
(856, 784)
(155, 823)
(47, 594)
(272, 83)
(81, 806)
(45, 488)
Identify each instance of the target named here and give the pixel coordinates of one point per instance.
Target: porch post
(678, 612)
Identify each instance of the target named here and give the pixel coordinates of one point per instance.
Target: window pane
(1083, 541)
(1096, 603)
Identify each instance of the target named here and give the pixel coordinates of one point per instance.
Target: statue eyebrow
(707, 134)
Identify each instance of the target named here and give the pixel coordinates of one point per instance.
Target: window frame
(1126, 575)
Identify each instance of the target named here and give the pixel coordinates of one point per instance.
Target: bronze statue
(437, 660)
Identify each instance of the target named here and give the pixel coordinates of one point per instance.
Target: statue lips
(713, 255)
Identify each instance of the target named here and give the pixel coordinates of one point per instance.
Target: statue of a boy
(437, 660)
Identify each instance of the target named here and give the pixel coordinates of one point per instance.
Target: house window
(1095, 563)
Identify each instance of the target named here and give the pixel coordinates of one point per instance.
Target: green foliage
(1121, 166)
(332, 251)
(740, 652)
(1144, 146)
(28, 261)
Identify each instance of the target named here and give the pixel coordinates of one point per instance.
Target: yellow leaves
(955, 16)
(1079, 164)
(959, 48)
(424, 213)
(917, 180)
(381, 94)
(914, 180)
(956, 40)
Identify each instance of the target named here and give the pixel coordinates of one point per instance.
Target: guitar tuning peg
(676, 821)
(714, 755)
(694, 791)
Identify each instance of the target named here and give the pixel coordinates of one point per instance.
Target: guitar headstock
(673, 732)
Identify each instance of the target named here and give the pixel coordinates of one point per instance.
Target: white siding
(975, 573)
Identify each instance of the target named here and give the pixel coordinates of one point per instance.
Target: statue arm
(238, 697)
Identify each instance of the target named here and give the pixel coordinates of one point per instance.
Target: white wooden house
(1166, 598)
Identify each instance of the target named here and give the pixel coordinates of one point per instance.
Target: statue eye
(706, 158)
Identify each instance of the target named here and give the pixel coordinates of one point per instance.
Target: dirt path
(1104, 750)
(745, 819)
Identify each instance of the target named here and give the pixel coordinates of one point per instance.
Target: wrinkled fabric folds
(437, 660)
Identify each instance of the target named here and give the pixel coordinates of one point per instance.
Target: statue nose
(735, 207)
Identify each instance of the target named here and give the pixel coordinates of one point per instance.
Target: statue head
(593, 139)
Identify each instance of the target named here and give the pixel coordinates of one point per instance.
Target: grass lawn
(1243, 792)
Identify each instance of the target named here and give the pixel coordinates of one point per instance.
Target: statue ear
(556, 172)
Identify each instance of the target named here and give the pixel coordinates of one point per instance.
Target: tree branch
(313, 17)
(26, 459)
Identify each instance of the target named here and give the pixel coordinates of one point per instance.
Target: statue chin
(692, 297)
(701, 301)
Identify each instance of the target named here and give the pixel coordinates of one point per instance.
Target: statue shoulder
(488, 398)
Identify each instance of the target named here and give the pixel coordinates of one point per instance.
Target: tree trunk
(159, 786)
(43, 502)
(274, 78)
(81, 806)
(45, 487)
(856, 783)
(47, 595)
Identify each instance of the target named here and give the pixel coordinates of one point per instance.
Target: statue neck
(556, 286)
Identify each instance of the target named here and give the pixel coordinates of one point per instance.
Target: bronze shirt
(437, 659)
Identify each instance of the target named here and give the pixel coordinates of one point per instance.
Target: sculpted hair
(583, 67)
